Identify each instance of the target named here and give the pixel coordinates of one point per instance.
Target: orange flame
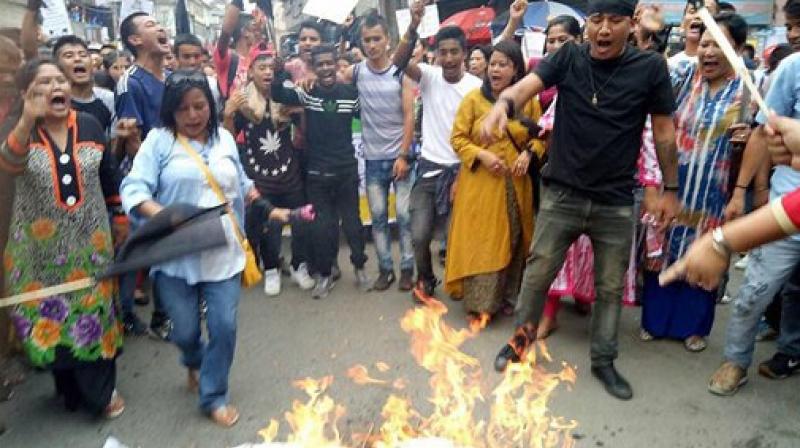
(519, 415)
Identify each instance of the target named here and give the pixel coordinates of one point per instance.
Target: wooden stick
(733, 58)
(63, 288)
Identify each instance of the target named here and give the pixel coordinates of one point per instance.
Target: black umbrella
(178, 230)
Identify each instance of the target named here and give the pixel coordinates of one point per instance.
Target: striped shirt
(380, 94)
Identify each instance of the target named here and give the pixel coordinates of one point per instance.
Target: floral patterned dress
(60, 233)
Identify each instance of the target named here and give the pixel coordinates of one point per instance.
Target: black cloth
(83, 131)
(265, 235)
(88, 384)
(329, 123)
(594, 149)
(267, 156)
(335, 196)
(97, 109)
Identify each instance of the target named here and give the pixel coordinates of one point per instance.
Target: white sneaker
(272, 282)
(301, 277)
(742, 263)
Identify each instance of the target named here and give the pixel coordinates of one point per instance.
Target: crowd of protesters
(586, 173)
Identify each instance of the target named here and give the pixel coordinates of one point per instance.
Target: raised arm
(29, 34)
(229, 24)
(402, 55)
(516, 13)
(283, 94)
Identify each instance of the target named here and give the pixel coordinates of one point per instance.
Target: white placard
(533, 44)
(55, 20)
(129, 7)
(429, 25)
(334, 10)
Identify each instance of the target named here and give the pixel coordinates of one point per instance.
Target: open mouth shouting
(59, 102)
(163, 42)
(694, 29)
(80, 72)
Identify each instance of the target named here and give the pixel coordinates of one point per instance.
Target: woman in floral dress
(60, 232)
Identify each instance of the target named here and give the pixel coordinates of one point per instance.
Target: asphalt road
(292, 336)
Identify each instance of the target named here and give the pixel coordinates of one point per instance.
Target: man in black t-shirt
(331, 166)
(72, 55)
(606, 89)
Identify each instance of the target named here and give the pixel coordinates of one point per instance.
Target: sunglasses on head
(182, 76)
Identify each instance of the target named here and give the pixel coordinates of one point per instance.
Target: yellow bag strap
(214, 185)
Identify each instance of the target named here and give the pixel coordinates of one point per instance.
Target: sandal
(115, 406)
(193, 380)
(645, 335)
(225, 416)
(695, 344)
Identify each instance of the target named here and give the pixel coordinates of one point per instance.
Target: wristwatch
(720, 244)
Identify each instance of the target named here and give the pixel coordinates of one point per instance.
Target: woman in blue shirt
(164, 172)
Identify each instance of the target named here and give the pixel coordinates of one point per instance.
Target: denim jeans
(265, 237)
(770, 266)
(214, 358)
(379, 179)
(424, 219)
(335, 196)
(564, 215)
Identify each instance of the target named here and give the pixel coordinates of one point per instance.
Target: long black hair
(178, 83)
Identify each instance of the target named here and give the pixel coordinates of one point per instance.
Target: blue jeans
(770, 266)
(379, 179)
(214, 358)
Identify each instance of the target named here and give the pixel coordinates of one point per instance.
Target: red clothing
(223, 66)
(791, 205)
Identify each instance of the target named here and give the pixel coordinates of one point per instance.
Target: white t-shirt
(676, 59)
(440, 101)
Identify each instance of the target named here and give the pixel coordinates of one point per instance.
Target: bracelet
(673, 187)
(743, 187)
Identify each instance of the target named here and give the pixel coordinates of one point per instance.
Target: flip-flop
(225, 416)
(115, 407)
(695, 344)
(645, 335)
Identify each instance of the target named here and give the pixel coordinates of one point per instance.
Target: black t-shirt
(97, 109)
(267, 156)
(329, 123)
(594, 149)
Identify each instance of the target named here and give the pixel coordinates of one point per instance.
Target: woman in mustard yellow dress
(492, 220)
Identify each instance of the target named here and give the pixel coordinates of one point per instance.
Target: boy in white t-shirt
(442, 86)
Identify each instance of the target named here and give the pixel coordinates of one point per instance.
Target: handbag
(252, 272)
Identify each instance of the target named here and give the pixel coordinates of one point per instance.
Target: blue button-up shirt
(784, 98)
(164, 172)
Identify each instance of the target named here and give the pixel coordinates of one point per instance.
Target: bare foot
(193, 380)
(225, 416)
(546, 327)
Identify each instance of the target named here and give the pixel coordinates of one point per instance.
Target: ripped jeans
(769, 268)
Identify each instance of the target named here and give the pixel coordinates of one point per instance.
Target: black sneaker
(133, 326)
(384, 281)
(507, 355)
(160, 326)
(779, 367)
